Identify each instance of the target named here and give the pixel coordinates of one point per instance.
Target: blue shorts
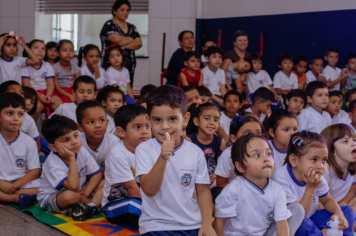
(193, 232)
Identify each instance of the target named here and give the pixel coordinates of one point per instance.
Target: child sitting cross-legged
(20, 166)
(122, 199)
(64, 187)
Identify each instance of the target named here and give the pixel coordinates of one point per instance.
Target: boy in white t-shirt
(316, 67)
(121, 189)
(112, 98)
(175, 185)
(296, 100)
(20, 166)
(262, 100)
(284, 80)
(232, 102)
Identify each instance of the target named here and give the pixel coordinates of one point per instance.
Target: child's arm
(132, 189)
(282, 228)
(95, 68)
(7, 187)
(312, 181)
(331, 84)
(331, 206)
(78, 74)
(222, 89)
(349, 196)
(72, 181)
(129, 90)
(2, 40)
(222, 145)
(228, 85)
(201, 79)
(183, 79)
(50, 87)
(282, 91)
(222, 134)
(219, 226)
(61, 91)
(271, 88)
(93, 184)
(32, 60)
(239, 86)
(204, 201)
(221, 181)
(30, 176)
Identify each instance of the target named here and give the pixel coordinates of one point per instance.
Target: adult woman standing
(125, 35)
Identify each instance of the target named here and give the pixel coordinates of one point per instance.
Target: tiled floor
(17, 223)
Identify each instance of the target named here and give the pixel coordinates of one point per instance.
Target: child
(299, 67)
(65, 71)
(192, 95)
(10, 63)
(284, 80)
(52, 55)
(232, 103)
(334, 107)
(91, 54)
(191, 75)
(20, 166)
(214, 77)
(142, 101)
(333, 75)
(236, 73)
(351, 121)
(116, 74)
(201, 130)
(262, 100)
(280, 126)
(204, 94)
(351, 68)
(296, 100)
(145, 90)
(302, 179)
(40, 77)
(64, 173)
(92, 123)
(252, 189)
(30, 96)
(172, 172)
(349, 97)
(121, 190)
(257, 77)
(314, 118)
(84, 89)
(112, 98)
(316, 66)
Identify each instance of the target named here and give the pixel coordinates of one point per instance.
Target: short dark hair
(299, 93)
(84, 79)
(334, 94)
(167, 95)
(313, 86)
(300, 58)
(127, 113)
(238, 34)
(232, 92)
(106, 63)
(284, 56)
(240, 121)
(4, 86)
(239, 149)
(85, 105)
(188, 88)
(313, 59)
(255, 56)
(181, 34)
(50, 45)
(105, 92)
(349, 57)
(275, 119)
(191, 54)
(352, 105)
(263, 95)
(347, 95)
(203, 91)
(212, 50)
(206, 39)
(117, 4)
(57, 126)
(11, 99)
(147, 89)
(141, 100)
(30, 93)
(61, 42)
(331, 49)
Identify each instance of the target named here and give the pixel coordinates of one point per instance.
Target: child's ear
(80, 128)
(279, 66)
(233, 138)
(309, 99)
(186, 118)
(270, 131)
(310, 66)
(103, 102)
(241, 104)
(239, 167)
(351, 115)
(120, 132)
(293, 160)
(95, 94)
(185, 63)
(207, 59)
(52, 147)
(326, 58)
(347, 104)
(287, 102)
(196, 121)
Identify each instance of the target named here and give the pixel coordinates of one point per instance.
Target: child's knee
(297, 210)
(71, 197)
(348, 213)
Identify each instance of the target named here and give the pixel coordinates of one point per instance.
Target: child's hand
(8, 187)
(212, 178)
(21, 41)
(207, 230)
(64, 152)
(95, 67)
(344, 73)
(3, 39)
(312, 179)
(343, 223)
(72, 97)
(42, 98)
(49, 99)
(167, 147)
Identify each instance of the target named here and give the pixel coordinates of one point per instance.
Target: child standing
(302, 179)
(300, 64)
(20, 166)
(191, 75)
(316, 66)
(172, 171)
(232, 103)
(314, 118)
(262, 100)
(52, 55)
(296, 100)
(351, 68)
(10, 63)
(91, 54)
(65, 71)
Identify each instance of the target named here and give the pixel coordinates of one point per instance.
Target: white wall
(235, 8)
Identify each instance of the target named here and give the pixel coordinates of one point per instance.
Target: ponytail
(84, 50)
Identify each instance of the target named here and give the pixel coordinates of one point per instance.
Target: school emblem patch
(270, 216)
(186, 179)
(20, 163)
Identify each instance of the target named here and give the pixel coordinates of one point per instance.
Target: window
(65, 26)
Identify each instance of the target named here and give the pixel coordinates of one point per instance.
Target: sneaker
(80, 211)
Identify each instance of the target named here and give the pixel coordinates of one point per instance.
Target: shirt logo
(186, 179)
(44, 75)
(270, 216)
(20, 163)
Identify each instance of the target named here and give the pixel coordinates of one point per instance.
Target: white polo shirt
(332, 74)
(55, 172)
(29, 127)
(258, 80)
(336, 118)
(175, 206)
(339, 188)
(225, 168)
(282, 81)
(312, 120)
(225, 122)
(11, 69)
(278, 156)
(295, 190)
(111, 125)
(213, 80)
(100, 82)
(68, 110)
(38, 77)
(18, 157)
(262, 115)
(250, 210)
(102, 151)
(119, 168)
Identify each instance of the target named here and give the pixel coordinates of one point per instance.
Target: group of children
(178, 156)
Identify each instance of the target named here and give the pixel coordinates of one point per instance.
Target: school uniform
(350, 80)
(29, 127)
(257, 80)
(225, 122)
(312, 120)
(67, 110)
(238, 199)
(121, 78)
(55, 172)
(11, 69)
(310, 77)
(336, 118)
(38, 77)
(231, 75)
(111, 128)
(278, 155)
(18, 158)
(262, 115)
(332, 74)
(100, 82)
(213, 79)
(174, 207)
(225, 168)
(282, 81)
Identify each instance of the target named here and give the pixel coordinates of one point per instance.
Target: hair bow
(112, 45)
(235, 121)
